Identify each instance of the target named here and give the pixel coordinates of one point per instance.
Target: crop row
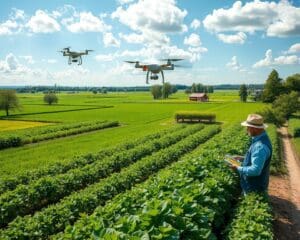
(10, 183)
(26, 199)
(277, 163)
(252, 219)
(31, 136)
(183, 202)
(54, 218)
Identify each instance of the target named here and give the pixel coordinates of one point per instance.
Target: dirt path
(284, 193)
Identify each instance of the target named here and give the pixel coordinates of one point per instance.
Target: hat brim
(246, 124)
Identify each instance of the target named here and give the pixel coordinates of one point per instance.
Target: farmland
(145, 176)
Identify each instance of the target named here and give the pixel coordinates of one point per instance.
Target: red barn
(199, 97)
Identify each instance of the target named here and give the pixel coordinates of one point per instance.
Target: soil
(284, 192)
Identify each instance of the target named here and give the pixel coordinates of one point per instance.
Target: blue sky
(224, 42)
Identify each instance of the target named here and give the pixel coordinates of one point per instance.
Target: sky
(221, 42)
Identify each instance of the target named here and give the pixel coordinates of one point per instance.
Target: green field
(137, 113)
(46, 186)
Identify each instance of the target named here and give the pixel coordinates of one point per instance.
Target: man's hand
(233, 167)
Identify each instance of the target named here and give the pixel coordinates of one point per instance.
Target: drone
(74, 57)
(154, 69)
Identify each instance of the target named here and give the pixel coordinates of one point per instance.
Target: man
(254, 171)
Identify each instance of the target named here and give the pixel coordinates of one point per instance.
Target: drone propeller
(131, 61)
(172, 59)
(89, 50)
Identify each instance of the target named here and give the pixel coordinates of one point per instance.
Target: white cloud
(195, 24)
(154, 15)
(239, 38)
(294, 48)
(276, 19)
(41, 22)
(87, 23)
(287, 60)
(281, 60)
(267, 61)
(234, 64)
(29, 59)
(8, 27)
(164, 51)
(287, 23)
(11, 65)
(133, 38)
(105, 57)
(17, 14)
(193, 40)
(110, 41)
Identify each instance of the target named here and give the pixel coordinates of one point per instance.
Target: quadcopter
(154, 69)
(74, 57)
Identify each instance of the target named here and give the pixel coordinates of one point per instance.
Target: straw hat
(255, 121)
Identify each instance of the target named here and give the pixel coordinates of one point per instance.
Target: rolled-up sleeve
(259, 155)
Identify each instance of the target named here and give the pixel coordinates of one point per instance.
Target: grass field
(137, 113)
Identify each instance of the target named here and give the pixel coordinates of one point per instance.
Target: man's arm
(259, 155)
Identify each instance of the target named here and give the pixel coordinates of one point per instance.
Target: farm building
(199, 97)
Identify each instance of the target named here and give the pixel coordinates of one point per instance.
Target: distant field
(137, 113)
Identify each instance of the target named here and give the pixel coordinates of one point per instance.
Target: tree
(282, 108)
(50, 98)
(166, 90)
(103, 90)
(156, 91)
(292, 83)
(8, 100)
(210, 89)
(243, 93)
(287, 104)
(273, 87)
(193, 88)
(174, 89)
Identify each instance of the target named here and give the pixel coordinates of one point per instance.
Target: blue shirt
(259, 154)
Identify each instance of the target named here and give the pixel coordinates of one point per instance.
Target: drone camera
(154, 77)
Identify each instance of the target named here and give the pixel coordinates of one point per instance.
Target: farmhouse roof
(198, 95)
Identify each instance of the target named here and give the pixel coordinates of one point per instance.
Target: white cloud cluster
(195, 24)
(87, 22)
(269, 61)
(239, 38)
(110, 41)
(277, 19)
(42, 22)
(235, 65)
(156, 15)
(28, 59)
(295, 48)
(11, 65)
(8, 27)
(193, 40)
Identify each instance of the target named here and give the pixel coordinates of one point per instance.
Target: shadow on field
(285, 225)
